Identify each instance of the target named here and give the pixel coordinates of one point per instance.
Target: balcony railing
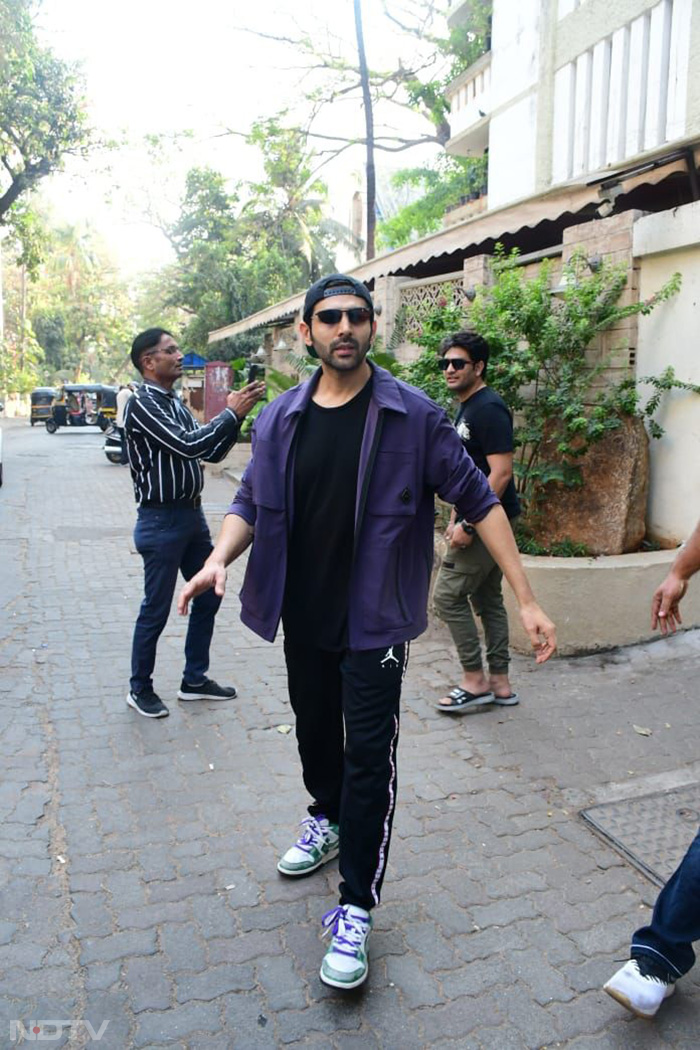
(470, 103)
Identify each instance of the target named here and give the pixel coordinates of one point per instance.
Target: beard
(357, 350)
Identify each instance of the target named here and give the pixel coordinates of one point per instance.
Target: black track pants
(347, 725)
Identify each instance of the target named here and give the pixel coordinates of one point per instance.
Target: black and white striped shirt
(165, 443)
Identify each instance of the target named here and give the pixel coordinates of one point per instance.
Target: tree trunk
(369, 130)
(22, 313)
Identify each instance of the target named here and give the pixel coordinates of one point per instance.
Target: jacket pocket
(384, 606)
(268, 478)
(393, 498)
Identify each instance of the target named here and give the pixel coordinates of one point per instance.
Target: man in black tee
(469, 580)
(337, 506)
(327, 453)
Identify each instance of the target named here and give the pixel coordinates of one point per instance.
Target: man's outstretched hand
(541, 631)
(665, 613)
(208, 576)
(241, 401)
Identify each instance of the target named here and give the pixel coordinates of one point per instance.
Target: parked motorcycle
(113, 444)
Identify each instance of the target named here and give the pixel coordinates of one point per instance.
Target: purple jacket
(410, 451)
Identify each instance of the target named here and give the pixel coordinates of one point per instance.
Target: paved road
(137, 858)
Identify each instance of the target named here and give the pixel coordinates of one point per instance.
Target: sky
(167, 67)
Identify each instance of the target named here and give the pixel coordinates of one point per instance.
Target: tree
(41, 114)
(240, 248)
(21, 356)
(289, 205)
(540, 366)
(74, 320)
(370, 176)
(416, 83)
(443, 184)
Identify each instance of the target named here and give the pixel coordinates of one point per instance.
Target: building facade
(589, 113)
(570, 88)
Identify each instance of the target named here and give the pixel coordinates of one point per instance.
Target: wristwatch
(469, 529)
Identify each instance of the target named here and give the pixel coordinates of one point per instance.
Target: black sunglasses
(356, 315)
(457, 363)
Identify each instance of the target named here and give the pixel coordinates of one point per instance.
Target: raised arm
(211, 441)
(665, 613)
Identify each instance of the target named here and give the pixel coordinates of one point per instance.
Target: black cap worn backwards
(335, 284)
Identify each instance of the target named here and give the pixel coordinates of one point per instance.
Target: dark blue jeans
(675, 922)
(170, 540)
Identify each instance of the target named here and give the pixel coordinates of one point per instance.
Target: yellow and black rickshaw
(83, 404)
(41, 399)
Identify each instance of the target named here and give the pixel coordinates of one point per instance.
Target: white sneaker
(638, 986)
(345, 964)
(319, 843)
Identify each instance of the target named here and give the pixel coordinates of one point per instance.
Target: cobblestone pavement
(137, 858)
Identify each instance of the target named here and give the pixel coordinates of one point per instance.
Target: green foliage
(444, 184)
(275, 384)
(471, 39)
(74, 319)
(239, 249)
(463, 45)
(385, 360)
(629, 396)
(528, 544)
(41, 112)
(540, 365)
(423, 372)
(28, 236)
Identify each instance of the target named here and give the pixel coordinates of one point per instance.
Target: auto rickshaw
(83, 404)
(41, 399)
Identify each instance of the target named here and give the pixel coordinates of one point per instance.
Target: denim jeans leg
(205, 607)
(157, 542)
(675, 922)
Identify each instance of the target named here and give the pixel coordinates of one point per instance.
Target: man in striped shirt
(165, 445)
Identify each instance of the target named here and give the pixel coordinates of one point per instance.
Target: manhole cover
(653, 831)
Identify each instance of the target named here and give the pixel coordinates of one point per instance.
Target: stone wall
(611, 239)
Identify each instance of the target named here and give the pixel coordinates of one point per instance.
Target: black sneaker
(206, 690)
(147, 703)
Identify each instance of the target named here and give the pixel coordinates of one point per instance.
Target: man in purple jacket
(338, 503)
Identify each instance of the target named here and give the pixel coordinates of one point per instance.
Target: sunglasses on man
(356, 315)
(457, 363)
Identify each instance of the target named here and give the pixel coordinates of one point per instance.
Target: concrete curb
(598, 603)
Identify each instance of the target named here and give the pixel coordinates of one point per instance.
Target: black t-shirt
(326, 463)
(485, 426)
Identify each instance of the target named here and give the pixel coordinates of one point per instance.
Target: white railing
(470, 96)
(625, 95)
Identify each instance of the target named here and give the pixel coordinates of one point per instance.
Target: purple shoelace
(347, 930)
(313, 835)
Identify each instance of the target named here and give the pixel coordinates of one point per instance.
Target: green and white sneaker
(319, 843)
(345, 964)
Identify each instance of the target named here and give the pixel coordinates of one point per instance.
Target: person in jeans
(469, 578)
(662, 951)
(338, 502)
(165, 445)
